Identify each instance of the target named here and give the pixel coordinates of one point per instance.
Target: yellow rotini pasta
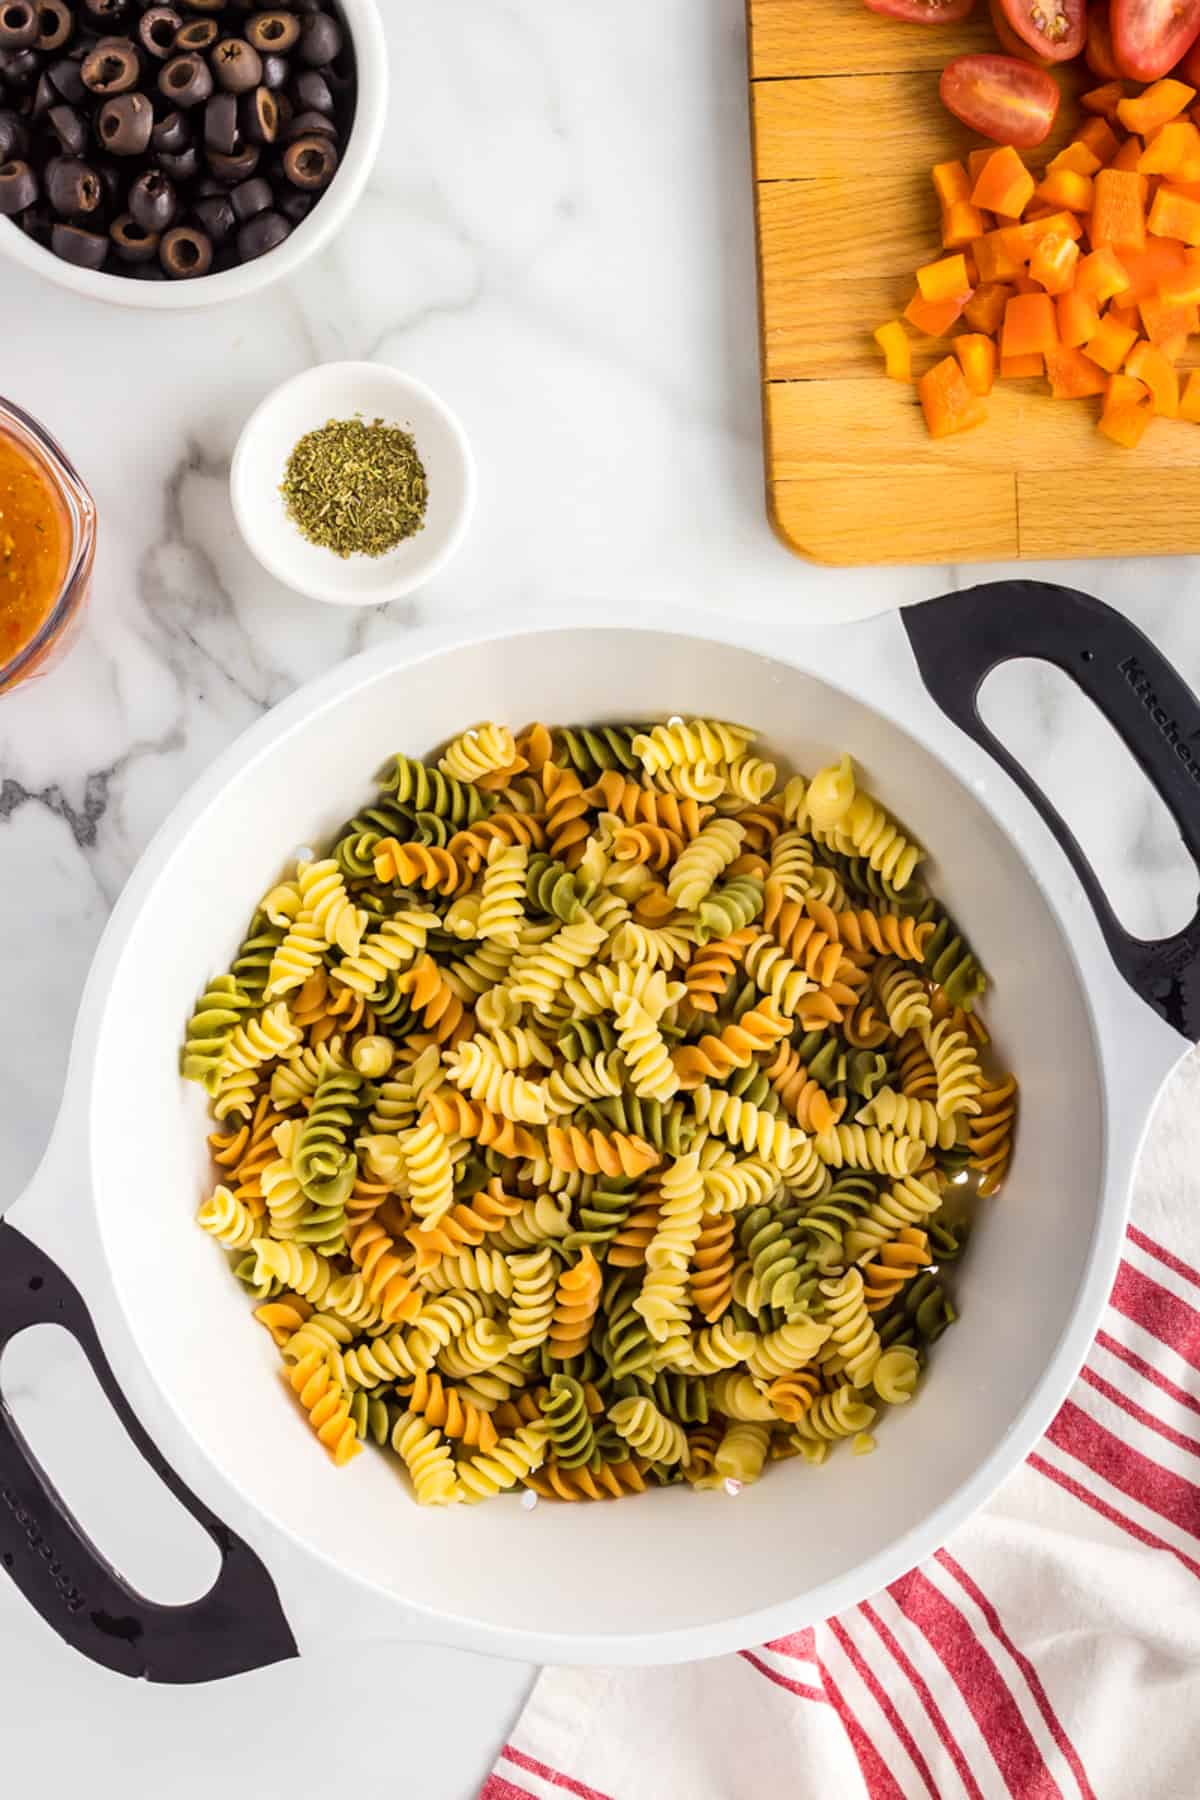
(587, 1110)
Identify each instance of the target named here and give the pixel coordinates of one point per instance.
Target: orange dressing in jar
(35, 543)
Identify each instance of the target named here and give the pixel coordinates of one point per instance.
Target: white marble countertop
(558, 238)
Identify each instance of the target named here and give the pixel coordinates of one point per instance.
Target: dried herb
(356, 489)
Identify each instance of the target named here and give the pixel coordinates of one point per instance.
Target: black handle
(960, 638)
(237, 1626)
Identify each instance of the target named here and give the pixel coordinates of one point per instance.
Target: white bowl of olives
(172, 154)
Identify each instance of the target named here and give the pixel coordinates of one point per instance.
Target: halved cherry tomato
(1054, 32)
(1006, 37)
(1101, 57)
(923, 12)
(1002, 98)
(1189, 68)
(1150, 36)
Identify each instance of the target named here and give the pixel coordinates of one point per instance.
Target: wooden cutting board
(846, 126)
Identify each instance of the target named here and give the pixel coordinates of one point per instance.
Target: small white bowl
(310, 400)
(365, 28)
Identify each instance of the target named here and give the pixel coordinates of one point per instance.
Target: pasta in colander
(599, 1111)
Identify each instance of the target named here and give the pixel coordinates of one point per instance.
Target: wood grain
(846, 125)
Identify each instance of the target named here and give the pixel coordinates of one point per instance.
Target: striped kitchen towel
(1051, 1649)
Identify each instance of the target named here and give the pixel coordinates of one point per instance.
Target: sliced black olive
(215, 214)
(172, 134)
(86, 249)
(56, 26)
(111, 68)
(236, 65)
(124, 125)
(18, 188)
(72, 188)
(186, 81)
(238, 167)
(18, 25)
(259, 116)
(252, 197)
(311, 162)
(131, 243)
(157, 31)
(69, 128)
(153, 202)
(186, 252)
(262, 233)
(67, 76)
(311, 92)
(221, 124)
(197, 35)
(180, 165)
(273, 32)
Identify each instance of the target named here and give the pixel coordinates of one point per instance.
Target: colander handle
(238, 1625)
(959, 639)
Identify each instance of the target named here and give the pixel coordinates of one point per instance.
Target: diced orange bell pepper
(1189, 405)
(934, 318)
(1004, 185)
(1099, 137)
(1038, 209)
(1175, 150)
(977, 358)
(1104, 100)
(944, 280)
(1064, 224)
(976, 160)
(1162, 101)
(1025, 284)
(1100, 277)
(950, 183)
(1128, 156)
(1181, 287)
(1150, 366)
(1078, 158)
(1110, 345)
(947, 402)
(1127, 317)
(984, 311)
(1126, 412)
(1173, 215)
(1078, 318)
(1122, 391)
(1063, 187)
(1053, 263)
(1148, 268)
(1029, 326)
(1073, 376)
(1118, 213)
(1013, 368)
(1173, 347)
(1162, 320)
(962, 223)
(896, 345)
(1000, 257)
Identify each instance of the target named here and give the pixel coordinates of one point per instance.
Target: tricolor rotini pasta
(599, 1111)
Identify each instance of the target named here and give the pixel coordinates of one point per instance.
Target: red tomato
(1007, 38)
(1001, 98)
(1150, 36)
(923, 12)
(1189, 68)
(1101, 57)
(1054, 31)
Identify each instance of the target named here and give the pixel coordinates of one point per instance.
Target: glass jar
(51, 637)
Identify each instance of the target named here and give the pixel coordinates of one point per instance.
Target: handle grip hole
(61, 1411)
(1085, 770)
